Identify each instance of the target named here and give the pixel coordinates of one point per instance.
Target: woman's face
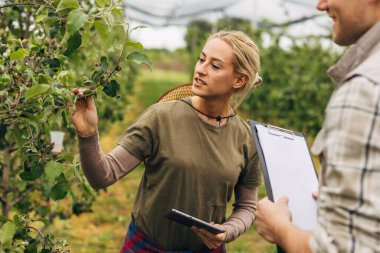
(214, 72)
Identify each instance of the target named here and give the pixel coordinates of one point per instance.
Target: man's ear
(240, 81)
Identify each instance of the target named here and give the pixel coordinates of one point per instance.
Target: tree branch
(2, 200)
(38, 231)
(20, 197)
(21, 4)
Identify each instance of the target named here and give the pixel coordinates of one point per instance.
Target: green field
(104, 229)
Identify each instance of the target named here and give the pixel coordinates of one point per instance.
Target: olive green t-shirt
(191, 166)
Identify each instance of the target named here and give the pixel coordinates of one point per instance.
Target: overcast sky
(278, 11)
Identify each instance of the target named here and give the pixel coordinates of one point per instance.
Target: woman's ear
(240, 81)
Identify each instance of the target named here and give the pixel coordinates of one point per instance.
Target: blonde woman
(197, 152)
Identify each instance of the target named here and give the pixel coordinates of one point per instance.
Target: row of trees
(47, 48)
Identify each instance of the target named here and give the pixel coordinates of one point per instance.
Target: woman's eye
(215, 66)
(201, 59)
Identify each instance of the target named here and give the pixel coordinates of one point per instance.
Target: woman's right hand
(85, 118)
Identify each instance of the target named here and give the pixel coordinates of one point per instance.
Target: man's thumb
(283, 201)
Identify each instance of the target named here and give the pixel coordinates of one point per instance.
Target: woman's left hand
(211, 240)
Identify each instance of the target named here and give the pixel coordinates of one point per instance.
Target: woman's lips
(199, 81)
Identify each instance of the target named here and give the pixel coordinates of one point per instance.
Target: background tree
(48, 48)
(196, 34)
(295, 86)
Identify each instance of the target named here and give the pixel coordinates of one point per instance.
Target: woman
(196, 152)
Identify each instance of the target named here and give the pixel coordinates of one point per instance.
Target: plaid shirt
(349, 145)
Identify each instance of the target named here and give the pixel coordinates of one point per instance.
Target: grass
(104, 229)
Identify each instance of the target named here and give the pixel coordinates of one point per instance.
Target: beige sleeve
(243, 213)
(102, 170)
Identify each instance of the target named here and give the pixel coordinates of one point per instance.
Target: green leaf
(65, 5)
(104, 63)
(20, 220)
(52, 170)
(101, 3)
(118, 12)
(32, 246)
(140, 58)
(76, 20)
(44, 221)
(110, 20)
(7, 231)
(74, 43)
(44, 79)
(37, 90)
(35, 171)
(42, 9)
(97, 75)
(40, 18)
(111, 88)
(136, 45)
(5, 80)
(102, 29)
(19, 54)
(42, 210)
(59, 191)
(4, 219)
(33, 120)
(62, 179)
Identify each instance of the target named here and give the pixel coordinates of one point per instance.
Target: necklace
(218, 118)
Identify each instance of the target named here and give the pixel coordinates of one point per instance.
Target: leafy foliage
(296, 87)
(47, 48)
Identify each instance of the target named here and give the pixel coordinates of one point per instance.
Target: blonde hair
(246, 61)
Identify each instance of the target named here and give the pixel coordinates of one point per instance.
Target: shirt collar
(355, 55)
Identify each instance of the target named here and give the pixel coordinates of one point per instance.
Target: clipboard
(288, 170)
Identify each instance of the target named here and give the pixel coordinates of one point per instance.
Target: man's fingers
(283, 201)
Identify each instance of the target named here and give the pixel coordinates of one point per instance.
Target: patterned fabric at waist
(138, 242)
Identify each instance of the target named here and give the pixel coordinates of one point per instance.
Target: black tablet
(189, 221)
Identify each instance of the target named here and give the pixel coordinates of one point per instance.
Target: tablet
(189, 221)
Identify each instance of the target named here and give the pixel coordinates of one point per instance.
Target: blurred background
(294, 39)
(295, 48)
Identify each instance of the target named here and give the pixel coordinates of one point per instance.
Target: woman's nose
(200, 69)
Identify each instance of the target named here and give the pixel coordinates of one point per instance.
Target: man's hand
(271, 218)
(212, 241)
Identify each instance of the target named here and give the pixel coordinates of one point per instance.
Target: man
(349, 145)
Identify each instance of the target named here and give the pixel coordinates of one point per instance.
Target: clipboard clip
(278, 131)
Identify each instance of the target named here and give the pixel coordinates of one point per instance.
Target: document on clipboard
(288, 170)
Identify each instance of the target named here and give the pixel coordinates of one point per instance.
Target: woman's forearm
(243, 213)
(103, 170)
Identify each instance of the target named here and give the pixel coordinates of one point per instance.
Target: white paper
(291, 173)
